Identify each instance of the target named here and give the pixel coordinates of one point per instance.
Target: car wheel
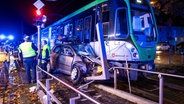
(76, 74)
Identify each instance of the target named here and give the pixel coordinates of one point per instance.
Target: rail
(49, 94)
(160, 76)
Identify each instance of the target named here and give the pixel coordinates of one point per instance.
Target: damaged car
(76, 60)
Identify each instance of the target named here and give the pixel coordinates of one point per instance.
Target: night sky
(16, 17)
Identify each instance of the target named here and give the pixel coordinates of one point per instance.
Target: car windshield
(84, 49)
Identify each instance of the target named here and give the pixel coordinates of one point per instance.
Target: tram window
(105, 28)
(105, 20)
(65, 29)
(121, 24)
(105, 16)
(78, 29)
(53, 30)
(87, 28)
(71, 29)
(137, 24)
(61, 31)
(68, 29)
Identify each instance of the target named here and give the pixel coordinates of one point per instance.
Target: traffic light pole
(39, 44)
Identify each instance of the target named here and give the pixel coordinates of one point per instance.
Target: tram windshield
(142, 24)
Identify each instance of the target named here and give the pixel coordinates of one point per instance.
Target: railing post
(115, 78)
(160, 88)
(37, 77)
(48, 89)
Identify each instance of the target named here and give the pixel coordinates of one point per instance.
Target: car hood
(92, 59)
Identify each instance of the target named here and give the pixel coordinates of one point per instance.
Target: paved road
(163, 57)
(15, 91)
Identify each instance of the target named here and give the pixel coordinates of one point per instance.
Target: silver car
(76, 60)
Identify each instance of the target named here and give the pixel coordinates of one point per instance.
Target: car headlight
(99, 69)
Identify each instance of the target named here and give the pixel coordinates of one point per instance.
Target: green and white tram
(129, 27)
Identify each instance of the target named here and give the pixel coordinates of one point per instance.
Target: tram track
(149, 89)
(168, 84)
(64, 94)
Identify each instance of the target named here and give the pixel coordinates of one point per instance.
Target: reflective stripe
(27, 50)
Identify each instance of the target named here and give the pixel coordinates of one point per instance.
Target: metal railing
(49, 94)
(160, 76)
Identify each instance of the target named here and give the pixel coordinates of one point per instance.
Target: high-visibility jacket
(27, 50)
(45, 47)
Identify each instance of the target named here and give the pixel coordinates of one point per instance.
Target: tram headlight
(133, 51)
(146, 67)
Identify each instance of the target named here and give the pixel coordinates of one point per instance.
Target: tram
(129, 27)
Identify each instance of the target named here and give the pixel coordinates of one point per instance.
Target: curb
(125, 95)
(41, 95)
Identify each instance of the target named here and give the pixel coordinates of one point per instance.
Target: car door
(53, 57)
(61, 61)
(68, 57)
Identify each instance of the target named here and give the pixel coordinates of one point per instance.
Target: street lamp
(10, 37)
(2, 36)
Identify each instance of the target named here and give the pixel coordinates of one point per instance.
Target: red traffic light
(38, 12)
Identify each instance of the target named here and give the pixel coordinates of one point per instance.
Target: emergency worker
(45, 56)
(27, 51)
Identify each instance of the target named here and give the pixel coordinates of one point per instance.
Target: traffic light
(38, 12)
(40, 17)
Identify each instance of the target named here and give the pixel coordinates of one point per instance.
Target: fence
(50, 95)
(160, 76)
(72, 100)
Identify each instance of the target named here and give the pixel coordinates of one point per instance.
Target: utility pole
(39, 43)
(39, 21)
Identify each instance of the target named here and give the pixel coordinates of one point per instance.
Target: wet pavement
(164, 57)
(15, 91)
